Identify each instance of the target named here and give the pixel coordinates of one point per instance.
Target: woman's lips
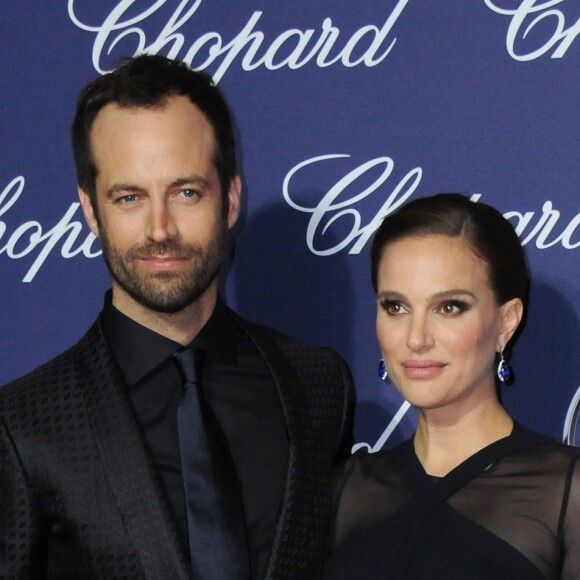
(423, 369)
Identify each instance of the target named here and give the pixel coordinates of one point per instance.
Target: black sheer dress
(511, 511)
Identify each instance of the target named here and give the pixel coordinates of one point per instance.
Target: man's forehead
(115, 110)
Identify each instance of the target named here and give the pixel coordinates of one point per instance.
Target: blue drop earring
(503, 368)
(383, 374)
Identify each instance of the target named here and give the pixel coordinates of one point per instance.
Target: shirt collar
(139, 350)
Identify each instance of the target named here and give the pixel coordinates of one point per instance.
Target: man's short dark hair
(148, 81)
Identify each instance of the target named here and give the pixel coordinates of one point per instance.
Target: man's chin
(166, 294)
(163, 303)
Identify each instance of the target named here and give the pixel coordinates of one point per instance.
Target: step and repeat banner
(344, 110)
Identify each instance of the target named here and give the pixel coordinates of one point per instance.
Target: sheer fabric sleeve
(366, 490)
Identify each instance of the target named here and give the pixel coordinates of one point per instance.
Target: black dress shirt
(241, 392)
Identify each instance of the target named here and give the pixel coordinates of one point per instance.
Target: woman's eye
(392, 307)
(453, 307)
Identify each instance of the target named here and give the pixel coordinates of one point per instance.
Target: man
(93, 477)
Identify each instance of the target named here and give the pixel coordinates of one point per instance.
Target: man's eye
(189, 193)
(130, 198)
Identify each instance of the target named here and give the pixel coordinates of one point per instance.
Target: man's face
(159, 204)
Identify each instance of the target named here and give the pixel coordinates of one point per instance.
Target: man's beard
(167, 292)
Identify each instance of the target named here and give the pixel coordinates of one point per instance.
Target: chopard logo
(571, 434)
(293, 48)
(386, 434)
(30, 238)
(530, 21)
(337, 211)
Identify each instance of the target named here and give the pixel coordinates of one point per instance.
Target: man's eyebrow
(194, 179)
(126, 187)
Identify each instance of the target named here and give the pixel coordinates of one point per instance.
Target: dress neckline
(423, 487)
(516, 427)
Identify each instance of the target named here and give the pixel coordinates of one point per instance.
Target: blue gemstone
(382, 370)
(503, 371)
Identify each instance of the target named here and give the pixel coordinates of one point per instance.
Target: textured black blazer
(79, 498)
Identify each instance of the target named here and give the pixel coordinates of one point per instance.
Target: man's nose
(161, 224)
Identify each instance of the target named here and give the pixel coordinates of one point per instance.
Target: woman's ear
(510, 316)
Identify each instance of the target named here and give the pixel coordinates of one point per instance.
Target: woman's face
(438, 322)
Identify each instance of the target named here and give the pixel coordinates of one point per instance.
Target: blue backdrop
(343, 110)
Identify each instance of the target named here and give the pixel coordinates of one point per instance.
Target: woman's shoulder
(363, 482)
(362, 462)
(543, 454)
(546, 445)
(377, 465)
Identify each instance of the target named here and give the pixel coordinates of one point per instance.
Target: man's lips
(164, 262)
(422, 369)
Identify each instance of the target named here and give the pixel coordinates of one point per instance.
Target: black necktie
(217, 542)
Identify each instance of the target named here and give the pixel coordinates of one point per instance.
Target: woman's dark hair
(148, 81)
(490, 236)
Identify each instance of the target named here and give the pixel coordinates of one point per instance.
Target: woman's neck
(442, 442)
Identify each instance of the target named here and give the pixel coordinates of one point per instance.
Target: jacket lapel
(290, 389)
(126, 462)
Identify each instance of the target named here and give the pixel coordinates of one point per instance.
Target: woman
(473, 495)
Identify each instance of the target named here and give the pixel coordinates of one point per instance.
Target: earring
(503, 368)
(383, 374)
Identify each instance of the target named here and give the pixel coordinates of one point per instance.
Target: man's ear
(88, 210)
(511, 313)
(234, 200)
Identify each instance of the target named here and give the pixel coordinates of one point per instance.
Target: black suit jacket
(79, 498)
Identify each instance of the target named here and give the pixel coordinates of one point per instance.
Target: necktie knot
(188, 363)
